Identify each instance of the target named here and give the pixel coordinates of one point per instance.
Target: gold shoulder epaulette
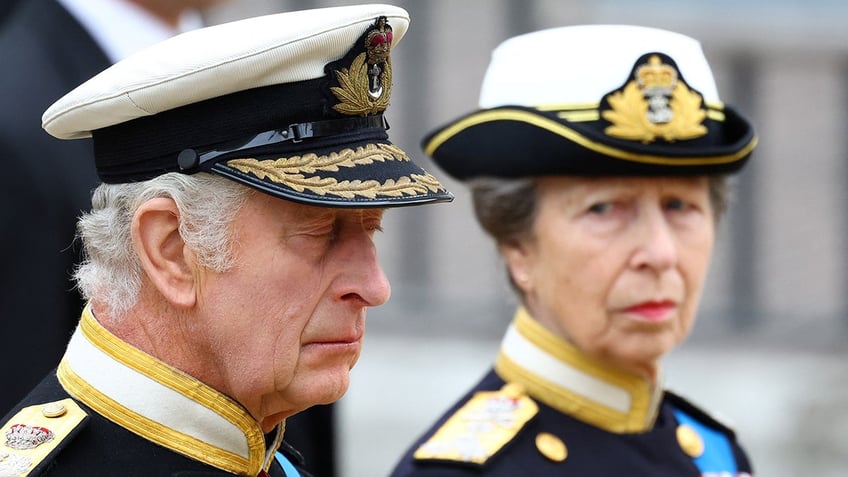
(34, 433)
(480, 428)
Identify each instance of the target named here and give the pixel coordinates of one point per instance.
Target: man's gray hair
(111, 271)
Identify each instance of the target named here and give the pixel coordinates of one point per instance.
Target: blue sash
(718, 453)
(288, 468)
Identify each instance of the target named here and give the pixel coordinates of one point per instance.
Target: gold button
(690, 441)
(54, 409)
(551, 447)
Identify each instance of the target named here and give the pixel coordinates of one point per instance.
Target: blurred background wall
(769, 348)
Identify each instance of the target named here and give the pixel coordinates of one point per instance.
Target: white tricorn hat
(595, 100)
(291, 104)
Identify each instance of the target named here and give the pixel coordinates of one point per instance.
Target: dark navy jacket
(590, 451)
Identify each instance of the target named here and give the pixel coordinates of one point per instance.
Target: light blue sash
(718, 453)
(288, 468)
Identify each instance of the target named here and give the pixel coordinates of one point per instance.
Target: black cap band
(190, 161)
(149, 146)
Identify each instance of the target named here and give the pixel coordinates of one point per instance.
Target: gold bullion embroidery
(483, 426)
(643, 112)
(293, 173)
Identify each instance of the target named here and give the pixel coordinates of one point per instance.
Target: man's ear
(163, 254)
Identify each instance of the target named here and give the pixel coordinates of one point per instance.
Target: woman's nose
(657, 246)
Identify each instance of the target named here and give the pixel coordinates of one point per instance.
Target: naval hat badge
(656, 103)
(365, 86)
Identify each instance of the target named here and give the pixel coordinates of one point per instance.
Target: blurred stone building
(770, 346)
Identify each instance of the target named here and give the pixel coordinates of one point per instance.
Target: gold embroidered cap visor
(291, 104)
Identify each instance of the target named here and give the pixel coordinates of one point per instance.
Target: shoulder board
(706, 418)
(35, 433)
(481, 427)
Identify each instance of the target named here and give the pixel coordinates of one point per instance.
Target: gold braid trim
(311, 163)
(352, 91)
(414, 184)
(290, 171)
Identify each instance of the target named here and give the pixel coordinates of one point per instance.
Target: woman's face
(616, 265)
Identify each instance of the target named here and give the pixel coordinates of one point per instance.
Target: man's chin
(325, 386)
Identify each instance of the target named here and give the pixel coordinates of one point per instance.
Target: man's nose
(365, 279)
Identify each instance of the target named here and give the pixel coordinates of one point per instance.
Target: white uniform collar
(122, 28)
(161, 403)
(554, 372)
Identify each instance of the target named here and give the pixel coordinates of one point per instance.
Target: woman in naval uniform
(598, 163)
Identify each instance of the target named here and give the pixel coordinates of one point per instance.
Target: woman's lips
(653, 310)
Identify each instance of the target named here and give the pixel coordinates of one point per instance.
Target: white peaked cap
(207, 63)
(291, 104)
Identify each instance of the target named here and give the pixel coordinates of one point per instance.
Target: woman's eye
(600, 208)
(676, 204)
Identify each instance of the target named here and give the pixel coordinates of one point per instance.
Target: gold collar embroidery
(161, 403)
(554, 372)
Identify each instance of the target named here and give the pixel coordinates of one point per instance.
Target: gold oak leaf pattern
(629, 116)
(293, 171)
(352, 91)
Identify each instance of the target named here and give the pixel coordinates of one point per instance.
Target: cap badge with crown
(655, 104)
(365, 87)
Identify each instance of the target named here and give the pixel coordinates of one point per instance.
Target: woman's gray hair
(506, 208)
(111, 271)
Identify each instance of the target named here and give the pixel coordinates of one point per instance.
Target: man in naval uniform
(229, 252)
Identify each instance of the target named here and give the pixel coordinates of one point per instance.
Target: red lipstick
(653, 310)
